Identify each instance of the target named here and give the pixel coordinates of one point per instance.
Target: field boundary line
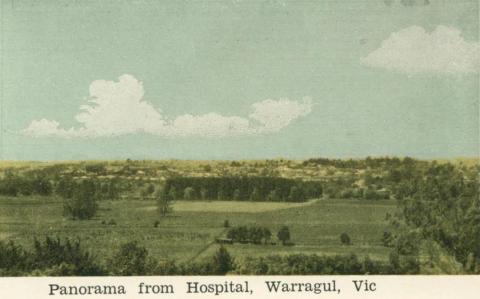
(205, 248)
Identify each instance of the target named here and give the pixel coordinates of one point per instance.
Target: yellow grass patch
(232, 206)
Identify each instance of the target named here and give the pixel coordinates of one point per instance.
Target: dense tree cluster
(242, 188)
(50, 257)
(369, 162)
(80, 197)
(441, 203)
(439, 216)
(13, 184)
(102, 189)
(249, 234)
(131, 259)
(96, 168)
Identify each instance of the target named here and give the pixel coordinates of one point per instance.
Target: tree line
(13, 184)
(369, 162)
(56, 257)
(257, 235)
(242, 188)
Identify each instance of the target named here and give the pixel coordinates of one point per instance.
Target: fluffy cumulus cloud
(118, 108)
(414, 51)
(273, 115)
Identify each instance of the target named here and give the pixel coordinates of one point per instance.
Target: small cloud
(274, 115)
(209, 125)
(46, 127)
(118, 108)
(414, 51)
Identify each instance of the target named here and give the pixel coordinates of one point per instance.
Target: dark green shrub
(82, 205)
(222, 262)
(284, 234)
(131, 259)
(53, 253)
(13, 258)
(345, 239)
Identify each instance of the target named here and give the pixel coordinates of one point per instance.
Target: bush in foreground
(52, 257)
(82, 204)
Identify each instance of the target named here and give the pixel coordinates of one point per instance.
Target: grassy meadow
(189, 232)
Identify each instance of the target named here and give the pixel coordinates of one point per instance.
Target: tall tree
(164, 201)
(222, 261)
(83, 203)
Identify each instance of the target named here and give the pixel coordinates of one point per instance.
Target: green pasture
(188, 233)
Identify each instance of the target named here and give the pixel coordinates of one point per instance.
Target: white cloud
(274, 115)
(46, 127)
(414, 51)
(211, 124)
(118, 108)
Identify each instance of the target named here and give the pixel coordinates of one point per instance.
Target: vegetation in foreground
(54, 257)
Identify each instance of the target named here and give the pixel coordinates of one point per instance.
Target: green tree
(284, 234)
(9, 184)
(83, 203)
(441, 203)
(236, 194)
(345, 239)
(112, 191)
(41, 186)
(65, 187)
(148, 191)
(220, 195)
(173, 194)
(255, 195)
(274, 195)
(222, 262)
(57, 257)
(131, 259)
(296, 194)
(255, 234)
(189, 193)
(267, 235)
(203, 193)
(407, 243)
(388, 239)
(164, 202)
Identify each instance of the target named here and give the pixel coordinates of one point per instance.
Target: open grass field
(233, 206)
(188, 233)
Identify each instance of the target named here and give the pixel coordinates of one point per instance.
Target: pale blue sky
(199, 57)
